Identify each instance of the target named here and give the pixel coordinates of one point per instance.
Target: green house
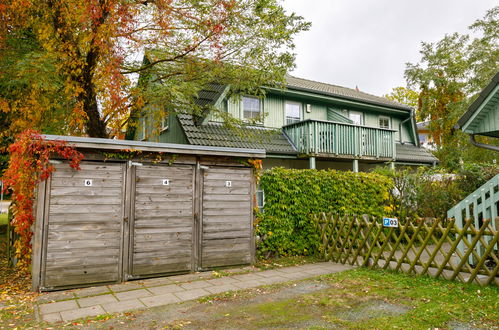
(482, 117)
(308, 124)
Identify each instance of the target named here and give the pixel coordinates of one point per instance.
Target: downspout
(402, 123)
(482, 145)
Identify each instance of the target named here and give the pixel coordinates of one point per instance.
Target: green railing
(480, 205)
(340, 139)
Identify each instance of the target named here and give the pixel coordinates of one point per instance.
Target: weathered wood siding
(84, 225)
(227, 217)
(163, 219)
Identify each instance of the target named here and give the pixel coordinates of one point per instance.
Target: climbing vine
(28, 165)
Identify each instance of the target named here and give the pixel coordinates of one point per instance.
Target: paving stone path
(117, 298)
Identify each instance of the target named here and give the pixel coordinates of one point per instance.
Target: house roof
(210, 94)
(341, 92)
(219, 135)
(413, 154)
(486, 96)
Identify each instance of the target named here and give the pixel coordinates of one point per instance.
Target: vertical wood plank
(36, 259)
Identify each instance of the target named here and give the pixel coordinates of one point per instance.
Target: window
(384, 122)
(164, 123)
(260, 199)
(142, 128)
(356, 117)
(293, 112)
(251, 107)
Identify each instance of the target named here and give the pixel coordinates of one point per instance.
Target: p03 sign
(390, 222)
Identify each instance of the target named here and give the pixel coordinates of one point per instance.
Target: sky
(367, 43)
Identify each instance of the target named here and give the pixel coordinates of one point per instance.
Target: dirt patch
(373, 309)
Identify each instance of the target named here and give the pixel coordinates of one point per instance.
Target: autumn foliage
(29, 164)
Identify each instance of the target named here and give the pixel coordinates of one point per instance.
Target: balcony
(340, 140)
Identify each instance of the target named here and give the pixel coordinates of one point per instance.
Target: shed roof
(110, 144)
(219, 135)
(488, 100)
(413, 154)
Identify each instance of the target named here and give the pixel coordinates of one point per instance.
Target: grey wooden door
(84, 225)
(226, 217)
(162, 223)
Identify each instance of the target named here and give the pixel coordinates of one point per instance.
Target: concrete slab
(58, 306)
(269, 273)
(159, 300)
(52, 317)
(248, 284)
(156, 281)
(133, 294)
(192, 294)
(97, 300)
(125, 286)
(221, 288)
(195, 285)
(92, 291)
(223, 280)
(157, 290)
(123, 306)
(79, 313)
(55, 296)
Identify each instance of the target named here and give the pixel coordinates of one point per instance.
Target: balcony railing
(333, 139)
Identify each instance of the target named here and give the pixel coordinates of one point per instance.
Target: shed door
(163, 220)
(84, 236)
(227, 217)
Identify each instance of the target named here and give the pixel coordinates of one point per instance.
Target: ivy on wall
(291, 195)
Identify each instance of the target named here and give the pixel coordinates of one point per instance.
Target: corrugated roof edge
(99, 143)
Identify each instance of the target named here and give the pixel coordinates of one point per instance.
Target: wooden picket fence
(415, 247)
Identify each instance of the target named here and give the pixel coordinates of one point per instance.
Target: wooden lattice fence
(433, 247)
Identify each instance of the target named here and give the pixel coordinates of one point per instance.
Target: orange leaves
(29, 164)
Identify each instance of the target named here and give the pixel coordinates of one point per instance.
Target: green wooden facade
(322, 125)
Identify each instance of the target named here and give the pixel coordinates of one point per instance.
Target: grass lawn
(3, 219)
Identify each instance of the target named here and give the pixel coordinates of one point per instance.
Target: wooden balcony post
(355, 165)
(311, 162)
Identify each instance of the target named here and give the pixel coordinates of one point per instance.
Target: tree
(449, 77)
(404, 95)
(96, 46)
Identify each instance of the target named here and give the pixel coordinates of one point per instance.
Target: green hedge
(284, 228)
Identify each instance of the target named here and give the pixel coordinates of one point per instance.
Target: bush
(291, 195)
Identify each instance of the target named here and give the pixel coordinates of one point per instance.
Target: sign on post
(390, 222)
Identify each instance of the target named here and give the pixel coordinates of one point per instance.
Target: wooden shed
(142, 209)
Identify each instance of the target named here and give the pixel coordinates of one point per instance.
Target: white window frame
(361, 115)
(260, 103)
(143, 128)
(165, 123)
(300, 110)
(383, 118)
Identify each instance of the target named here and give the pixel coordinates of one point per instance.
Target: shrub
(291, 195)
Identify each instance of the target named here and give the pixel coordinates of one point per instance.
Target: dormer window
(293, 112)
(251, 107)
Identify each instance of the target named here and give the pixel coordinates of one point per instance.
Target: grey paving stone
(159, 300)
(157, 290)
(295, 276)
(317, 271)
(248, 277)
(293, 269)
(273, 280)
(92, 291)
(133, 294)
(221, 288)
(96, 300)
(248, 284)
(123, 306)
(191, 294)
(79, 313)
(58, 306)
(156, 281)
(52, 317)
(223, 280)
(195, 285)
(184, 278)
(125, 286)
(47, 297)
(269, 273)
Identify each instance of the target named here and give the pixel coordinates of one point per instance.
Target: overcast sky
(366, 43)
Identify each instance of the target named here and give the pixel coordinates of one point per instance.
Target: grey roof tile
(273, 141)
(339, 91)
(414, 154)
